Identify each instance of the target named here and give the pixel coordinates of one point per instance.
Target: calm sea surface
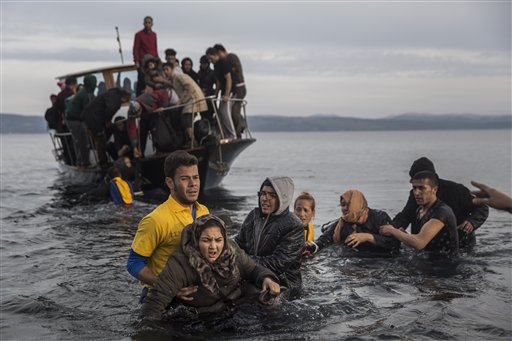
(63, 255)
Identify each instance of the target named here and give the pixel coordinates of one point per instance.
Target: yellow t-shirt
(309, 233)
(159, 233)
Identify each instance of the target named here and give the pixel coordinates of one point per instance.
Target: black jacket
(376, 218)
(280, 245)
(459, 199)
(101, 110)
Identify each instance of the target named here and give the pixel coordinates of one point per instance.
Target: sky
(367, 59)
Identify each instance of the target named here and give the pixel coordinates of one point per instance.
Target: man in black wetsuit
(433, 228)
(469, 216)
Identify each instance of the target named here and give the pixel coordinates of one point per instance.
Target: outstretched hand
(270, 286)
(489, 196)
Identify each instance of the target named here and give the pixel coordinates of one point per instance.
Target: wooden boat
(216, 155)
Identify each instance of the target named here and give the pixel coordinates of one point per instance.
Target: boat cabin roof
(107, 73)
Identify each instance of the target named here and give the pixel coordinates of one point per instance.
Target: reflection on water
(63, 260)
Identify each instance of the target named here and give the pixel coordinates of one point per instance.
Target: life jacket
(121, 192)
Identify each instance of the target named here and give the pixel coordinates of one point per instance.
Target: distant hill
(409, 121)
(19, 124)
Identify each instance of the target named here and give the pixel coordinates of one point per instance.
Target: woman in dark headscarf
(208, 260)
(357, 228)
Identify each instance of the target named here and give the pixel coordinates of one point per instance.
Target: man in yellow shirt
(159, 233)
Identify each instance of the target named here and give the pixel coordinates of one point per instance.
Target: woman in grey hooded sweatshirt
(272, 235)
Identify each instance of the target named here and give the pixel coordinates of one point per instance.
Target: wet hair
(114, 172)
(177, 159)
(185, 59)
(170, 52)
(219, 48)
(306, 196)
(148, 17)
(70, 81)
(210, 51)
(428, 175)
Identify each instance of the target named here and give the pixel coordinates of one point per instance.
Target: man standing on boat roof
(458, 197)
(145, 42)
(159, 233)
(434, 228)
(272, 235)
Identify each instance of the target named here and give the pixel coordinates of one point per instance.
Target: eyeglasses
(271, 195)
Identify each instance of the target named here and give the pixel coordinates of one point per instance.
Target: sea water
(63, 254)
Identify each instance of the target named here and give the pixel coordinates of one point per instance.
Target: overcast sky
(362, 59)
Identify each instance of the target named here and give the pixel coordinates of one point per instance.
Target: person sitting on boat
(121, 146)
(187, 67)
(272, 235)
(214, 264)
(304, 208)
(222, 69)
(144, 106)
(145, 42)
(98, 114)
(457, 196)
(191, 97)
(75, 122)
(158, 234)
(434, 228)
(152, 67)
(120, 190)
(357, 228)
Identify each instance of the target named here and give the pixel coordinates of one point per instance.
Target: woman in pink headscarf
(357, 228)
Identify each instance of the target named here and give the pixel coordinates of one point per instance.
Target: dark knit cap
(422, 164)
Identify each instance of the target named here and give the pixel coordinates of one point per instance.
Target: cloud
(370, 58)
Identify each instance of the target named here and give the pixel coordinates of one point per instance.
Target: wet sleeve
(385, 242)
(286, 253)
(135, 263)
(241, 237)
(477, 215)
(171, 279)
(407, 215)
(252, 271)
(326, 238)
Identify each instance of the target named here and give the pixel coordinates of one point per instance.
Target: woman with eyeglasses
(357, 228)
(274, 236)
(216, 265)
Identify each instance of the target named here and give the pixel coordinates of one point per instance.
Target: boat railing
(64, 148)
(214, 104)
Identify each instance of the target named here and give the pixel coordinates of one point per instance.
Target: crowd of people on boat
(184, 259)
(179, 107)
